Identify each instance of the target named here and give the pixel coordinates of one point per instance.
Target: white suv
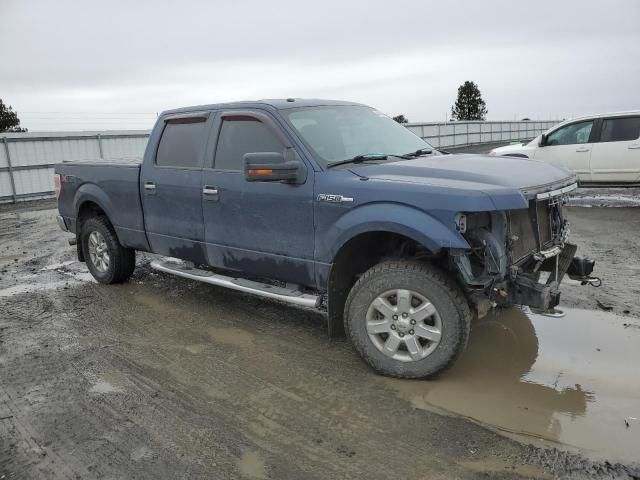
(600, 148)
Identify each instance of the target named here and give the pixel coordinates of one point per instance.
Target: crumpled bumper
(526, 290)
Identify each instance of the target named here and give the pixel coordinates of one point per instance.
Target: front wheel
(407, 319)
(107, 260)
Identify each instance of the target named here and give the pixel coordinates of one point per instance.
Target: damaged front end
(519, 257)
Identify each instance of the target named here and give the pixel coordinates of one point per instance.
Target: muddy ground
(163, 377)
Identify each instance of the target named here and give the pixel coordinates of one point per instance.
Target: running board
(247, 286)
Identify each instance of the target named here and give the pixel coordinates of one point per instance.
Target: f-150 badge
(332, 198)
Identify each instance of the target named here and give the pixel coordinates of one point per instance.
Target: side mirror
(543, 140)
(272, 167)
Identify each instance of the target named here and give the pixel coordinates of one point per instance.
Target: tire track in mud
(165, 378)
(279, 410)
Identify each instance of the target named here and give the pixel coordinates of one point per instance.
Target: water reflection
(571, 380)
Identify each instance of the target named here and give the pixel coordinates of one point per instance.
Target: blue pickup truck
(331, 205)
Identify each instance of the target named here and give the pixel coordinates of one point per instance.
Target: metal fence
(460, 134)
(27, 159)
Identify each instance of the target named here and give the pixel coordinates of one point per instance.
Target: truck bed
(116, 184)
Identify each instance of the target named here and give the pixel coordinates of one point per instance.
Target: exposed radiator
(542, 221)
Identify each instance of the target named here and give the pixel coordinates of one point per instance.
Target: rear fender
(90, 192)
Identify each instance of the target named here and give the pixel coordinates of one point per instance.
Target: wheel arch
(346, 246)
(362, 251)
(89, 201)
(89, 197)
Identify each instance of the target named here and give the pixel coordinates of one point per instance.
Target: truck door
(570, 147)
(257, 228)
(616, 154)
(170, 183)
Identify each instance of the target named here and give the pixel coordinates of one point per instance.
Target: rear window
(620, 129)
(182, 144)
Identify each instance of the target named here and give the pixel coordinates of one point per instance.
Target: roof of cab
(629, 113)
(278, 104)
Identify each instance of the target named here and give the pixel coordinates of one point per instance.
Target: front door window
(573, 134)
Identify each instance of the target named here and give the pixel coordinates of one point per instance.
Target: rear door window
(240, 135)
(620, 129)
(182, 143)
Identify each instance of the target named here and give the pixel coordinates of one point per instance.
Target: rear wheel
(407, 319)
(107, 260)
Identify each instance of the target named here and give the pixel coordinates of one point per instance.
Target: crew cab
(601, 148)
(331, 205)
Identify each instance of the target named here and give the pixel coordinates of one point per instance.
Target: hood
(495, 176)
(512, 148)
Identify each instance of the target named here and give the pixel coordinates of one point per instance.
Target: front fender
(388, 217)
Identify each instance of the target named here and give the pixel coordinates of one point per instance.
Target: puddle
(231, 336)
(620, 201)
(74, 278)
(252, 466)
(196, 349)
(113, 382)
(572, 380)
(493, 466)
(31, 287)
(56, 266)
(141, 453)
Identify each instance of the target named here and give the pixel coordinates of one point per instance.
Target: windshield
(339, 133)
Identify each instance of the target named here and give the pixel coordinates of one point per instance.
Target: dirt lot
(166, 378)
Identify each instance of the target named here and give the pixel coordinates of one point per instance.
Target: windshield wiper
(359, 159)
(419, 152)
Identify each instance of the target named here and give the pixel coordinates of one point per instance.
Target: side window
(240, 135)
(620, 129)
(571, 134)
(182, 144)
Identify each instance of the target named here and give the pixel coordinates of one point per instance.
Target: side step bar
(247, 286)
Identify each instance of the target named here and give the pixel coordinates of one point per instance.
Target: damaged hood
(496, 176)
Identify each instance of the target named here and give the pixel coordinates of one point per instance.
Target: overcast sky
(111, 65)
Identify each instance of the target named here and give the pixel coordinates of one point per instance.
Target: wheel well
(87, 210)
(357, 256)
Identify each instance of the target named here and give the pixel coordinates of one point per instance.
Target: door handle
(149, 187)
(633, 147)
(210, 192)
(583, 149)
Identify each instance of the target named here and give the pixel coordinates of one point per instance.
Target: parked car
(599, 148)
(330, 205)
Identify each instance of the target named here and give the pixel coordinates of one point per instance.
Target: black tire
(428, 281)
(122, 261)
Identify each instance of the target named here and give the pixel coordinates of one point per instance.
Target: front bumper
(522, 287)
(527, 290)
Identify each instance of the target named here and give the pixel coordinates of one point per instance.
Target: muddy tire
(407, 319)
(107, 260)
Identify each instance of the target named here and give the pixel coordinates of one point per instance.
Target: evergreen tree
(9, 121)
(469, 104)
